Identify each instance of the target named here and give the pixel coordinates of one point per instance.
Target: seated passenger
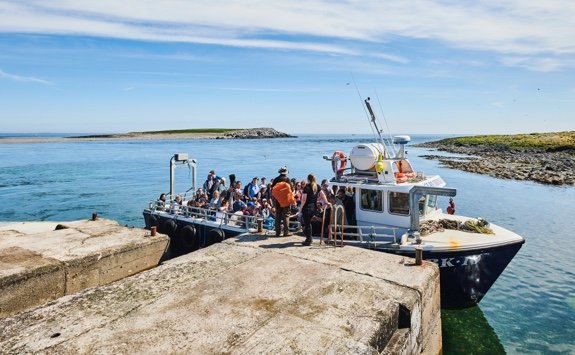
(161, 203)
(175, 205)
(201, 194)
(266, 208)
(238, 204)
(215, 202)
(249, 210)
(222, 211)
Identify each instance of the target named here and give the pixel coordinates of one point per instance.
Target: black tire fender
(169, 227)
(215, 235)
(188, 238)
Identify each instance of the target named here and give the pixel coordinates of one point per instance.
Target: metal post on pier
(418, 255)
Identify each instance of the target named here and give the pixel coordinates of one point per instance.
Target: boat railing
(372, 235)
(223, 218)
(337, 229)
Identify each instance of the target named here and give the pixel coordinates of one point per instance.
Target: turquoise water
(530, 309)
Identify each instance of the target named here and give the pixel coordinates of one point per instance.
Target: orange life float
(400, 177)
(338, 162)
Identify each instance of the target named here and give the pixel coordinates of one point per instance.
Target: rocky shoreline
(539, 165)
(255, 133)
(247, 133)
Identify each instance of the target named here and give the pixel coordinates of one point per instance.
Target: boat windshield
(399, 203)
(431, 202)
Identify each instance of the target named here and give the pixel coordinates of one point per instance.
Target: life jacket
(283, 194)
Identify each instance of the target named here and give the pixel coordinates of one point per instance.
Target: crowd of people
(307, 203)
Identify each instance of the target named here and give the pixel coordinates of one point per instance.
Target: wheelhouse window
(399, 203)
(371, 200)
(431, 202)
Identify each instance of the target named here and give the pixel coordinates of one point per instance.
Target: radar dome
(401, 139)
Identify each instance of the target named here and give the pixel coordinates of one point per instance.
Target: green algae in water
(467, 331)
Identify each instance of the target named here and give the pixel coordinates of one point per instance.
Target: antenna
(389, 137)
(364, 110)
(387, 145)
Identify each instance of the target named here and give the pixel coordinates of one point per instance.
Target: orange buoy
(400, 177)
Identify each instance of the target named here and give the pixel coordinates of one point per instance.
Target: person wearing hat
(282, 213)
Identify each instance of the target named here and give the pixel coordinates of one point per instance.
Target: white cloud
(541, 64)
(528, 28)
(29, 79)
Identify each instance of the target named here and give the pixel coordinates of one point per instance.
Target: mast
(378, 130)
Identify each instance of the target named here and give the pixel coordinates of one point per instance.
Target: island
(547, 158)
(182, 134)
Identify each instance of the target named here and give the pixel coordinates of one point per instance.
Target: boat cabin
(388, 192)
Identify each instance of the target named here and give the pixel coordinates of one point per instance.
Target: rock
(256, 133)
(546, 167)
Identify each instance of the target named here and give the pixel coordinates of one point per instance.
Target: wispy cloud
(541, 64)
(526, 28)
(255, 89)
(29, 79)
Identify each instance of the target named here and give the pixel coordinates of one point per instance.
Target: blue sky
(504, 66)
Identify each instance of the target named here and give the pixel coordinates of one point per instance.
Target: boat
(191, 228)
(396, 211)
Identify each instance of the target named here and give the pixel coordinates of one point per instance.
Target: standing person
(325, 188)
(209, 183)
(263, 182)
(297, 193)
(223, 189)
(312, 194)
(349, 206)
(282, 208)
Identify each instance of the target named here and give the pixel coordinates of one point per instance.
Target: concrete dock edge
(249, 294)
(42, 261)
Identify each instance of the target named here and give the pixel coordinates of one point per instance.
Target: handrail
(375, 231)
(335, 210)
(322, 226)
(223, 217)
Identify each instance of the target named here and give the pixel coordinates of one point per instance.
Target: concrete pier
(251, 294)
(42, 261)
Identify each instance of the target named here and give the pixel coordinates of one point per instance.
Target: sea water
(530, 309)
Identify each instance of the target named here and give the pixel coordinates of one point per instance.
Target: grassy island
(554, 141)
(548, 158)
(192, 131)
(181, 134)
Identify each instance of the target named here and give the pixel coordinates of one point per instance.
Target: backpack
(283, 194)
